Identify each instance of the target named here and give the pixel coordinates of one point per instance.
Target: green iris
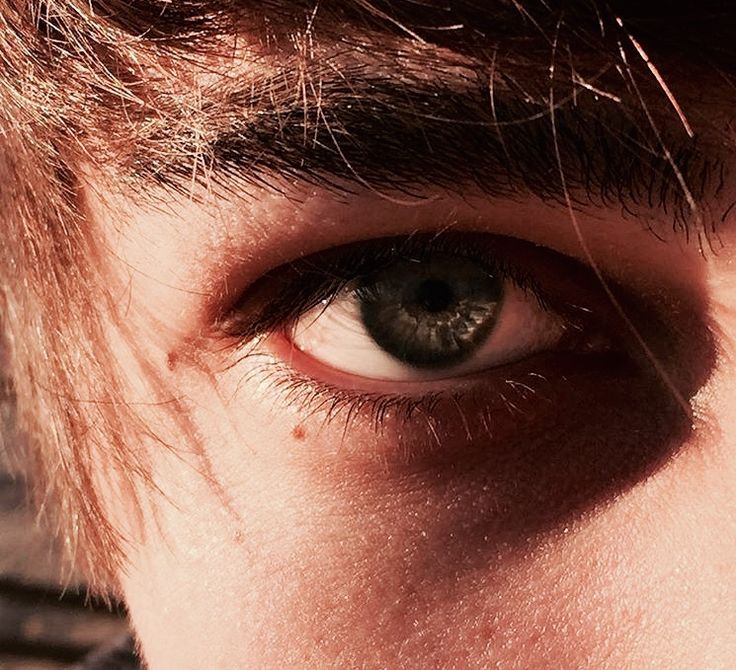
(431, 313)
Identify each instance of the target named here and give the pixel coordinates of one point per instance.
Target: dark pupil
(431, 313)
(434, 295)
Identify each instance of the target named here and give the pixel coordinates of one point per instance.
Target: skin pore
(569, 506)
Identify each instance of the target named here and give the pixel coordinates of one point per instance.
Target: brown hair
(103, 83)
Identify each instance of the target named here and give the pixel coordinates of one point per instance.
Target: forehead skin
(280, 539)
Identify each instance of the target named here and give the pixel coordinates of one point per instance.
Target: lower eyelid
(512, 401)
(298, 365)
(514, 450)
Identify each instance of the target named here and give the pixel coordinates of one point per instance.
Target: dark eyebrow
(357, 126)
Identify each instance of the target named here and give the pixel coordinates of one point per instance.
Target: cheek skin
(265, 550)
(274, 592)
(290, 566)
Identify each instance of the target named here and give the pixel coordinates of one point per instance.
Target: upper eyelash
(321, 278)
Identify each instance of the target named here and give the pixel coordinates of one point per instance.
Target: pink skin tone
(314, 544)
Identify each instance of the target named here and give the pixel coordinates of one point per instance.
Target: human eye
(460, 339)
(423, 312)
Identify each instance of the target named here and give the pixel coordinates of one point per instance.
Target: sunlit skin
(284, 491)
(294, 540)
(393, 334)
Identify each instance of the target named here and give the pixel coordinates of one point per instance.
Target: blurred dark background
(47, 622)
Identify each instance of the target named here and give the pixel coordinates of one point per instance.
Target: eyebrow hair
(360, 126)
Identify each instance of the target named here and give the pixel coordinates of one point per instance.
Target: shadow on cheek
(502, 468)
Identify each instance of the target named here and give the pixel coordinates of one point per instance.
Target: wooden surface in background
(44, 625)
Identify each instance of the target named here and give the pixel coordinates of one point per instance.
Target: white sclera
(334, 334)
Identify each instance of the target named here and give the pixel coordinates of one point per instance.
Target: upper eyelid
(262, 308)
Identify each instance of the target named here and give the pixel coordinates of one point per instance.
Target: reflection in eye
(425, 318)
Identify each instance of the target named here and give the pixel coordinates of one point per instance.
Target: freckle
(298, 432)
(172, 358)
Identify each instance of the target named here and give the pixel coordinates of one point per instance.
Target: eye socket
(428, 318)
(422, 308)
(562, 407)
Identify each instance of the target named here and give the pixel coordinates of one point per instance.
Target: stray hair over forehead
(111, 82)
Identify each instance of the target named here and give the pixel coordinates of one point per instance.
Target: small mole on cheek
(298, 433)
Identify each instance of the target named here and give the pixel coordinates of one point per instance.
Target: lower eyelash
(492, 414)
(317, 398)
(513, 394)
